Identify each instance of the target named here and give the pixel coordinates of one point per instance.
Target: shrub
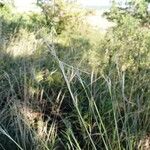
(62, 15)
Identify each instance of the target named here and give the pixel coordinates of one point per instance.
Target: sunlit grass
(75, 90)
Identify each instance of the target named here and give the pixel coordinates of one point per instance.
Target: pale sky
(82, 2)
(25, 5)
(95, 2)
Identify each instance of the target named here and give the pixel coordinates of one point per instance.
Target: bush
(62, 15)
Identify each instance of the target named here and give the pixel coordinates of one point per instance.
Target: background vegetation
(65, 85)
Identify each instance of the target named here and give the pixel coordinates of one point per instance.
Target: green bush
(62, 15)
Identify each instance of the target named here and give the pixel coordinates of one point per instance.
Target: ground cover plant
(65, 85)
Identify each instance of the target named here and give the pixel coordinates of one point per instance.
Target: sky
(27, 4)
(83, 2)
(24, 5)
(95, 2)
(99, 2)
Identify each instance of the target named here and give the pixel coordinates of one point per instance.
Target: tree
(61, 15)
(136, 8)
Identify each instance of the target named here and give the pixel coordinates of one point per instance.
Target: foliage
(136, 8)
(62, 15)
(80, 89)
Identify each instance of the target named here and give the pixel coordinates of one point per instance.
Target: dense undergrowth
(66, 86)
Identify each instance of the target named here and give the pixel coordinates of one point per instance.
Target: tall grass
(73, 90)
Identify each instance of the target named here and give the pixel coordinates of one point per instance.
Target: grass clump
(74, 89)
